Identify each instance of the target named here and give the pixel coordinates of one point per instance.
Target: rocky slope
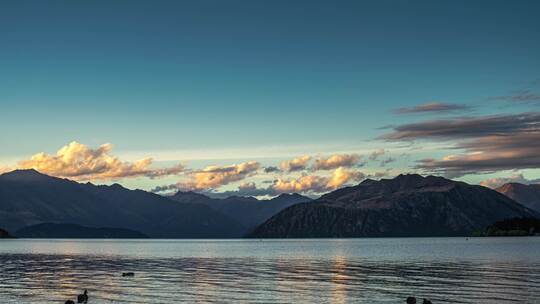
(527, 195)
(408, 205)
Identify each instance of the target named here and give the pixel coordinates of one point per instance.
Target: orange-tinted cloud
(80, 162)
(515, 178)
(4, 169)
(315, 183)
(296, 164)
(335, 161)
(213, 177)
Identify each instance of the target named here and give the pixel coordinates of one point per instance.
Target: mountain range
(28, 197)
(527, 195)
(248, 211)
(408, 205)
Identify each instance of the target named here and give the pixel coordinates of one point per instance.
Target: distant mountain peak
(23, 172)
(188, 196)
(409, 176)
(528, 195)
(25, 175)
(188, 193)
(518, 185)
(417, 178)
(117, 186)
(289, 194)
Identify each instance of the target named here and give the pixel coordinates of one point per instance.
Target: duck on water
(412, 300)
(82, 298)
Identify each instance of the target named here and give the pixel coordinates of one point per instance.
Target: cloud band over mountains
(306, 184)
(82, 163)
(486, 143)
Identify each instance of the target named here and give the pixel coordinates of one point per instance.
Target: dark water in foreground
(446, 270)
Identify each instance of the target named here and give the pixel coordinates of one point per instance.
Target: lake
(378, 270)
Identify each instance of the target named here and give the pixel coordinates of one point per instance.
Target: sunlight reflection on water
(446, 270)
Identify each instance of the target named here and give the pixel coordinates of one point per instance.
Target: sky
(265, 97)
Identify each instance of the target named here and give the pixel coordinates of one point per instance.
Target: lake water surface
(382, 270)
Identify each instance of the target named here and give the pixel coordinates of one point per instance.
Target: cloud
(247, 186)
(271, 169)
(381, 174)
(306, 184)
(487, 143)
(296, 164)
(521, 96)
(515, 178)
(386, 161)
(490, 154)
(432, 107)
(315, 183)
(465, 127)
(376, 154)
(4, 169)
(245, 189)
(166, 188)
(80, 162)
(335, 161)
(213, 177)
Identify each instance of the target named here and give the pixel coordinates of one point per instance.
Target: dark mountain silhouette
(4, 234)
(51, 230)
(28, 197)
(527, 195)
(247, 210)
(408, 205)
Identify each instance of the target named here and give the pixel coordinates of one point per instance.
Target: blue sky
(255, 80)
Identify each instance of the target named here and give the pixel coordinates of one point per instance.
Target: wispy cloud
(433, 107)
(376, 154)
(80, 162)
(520, 96)
(387, 161)
(465, 127)
(489, 143)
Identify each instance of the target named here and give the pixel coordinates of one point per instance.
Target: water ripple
(42, 277)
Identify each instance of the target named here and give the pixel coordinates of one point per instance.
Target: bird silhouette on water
(412, 300)
(83, 298)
